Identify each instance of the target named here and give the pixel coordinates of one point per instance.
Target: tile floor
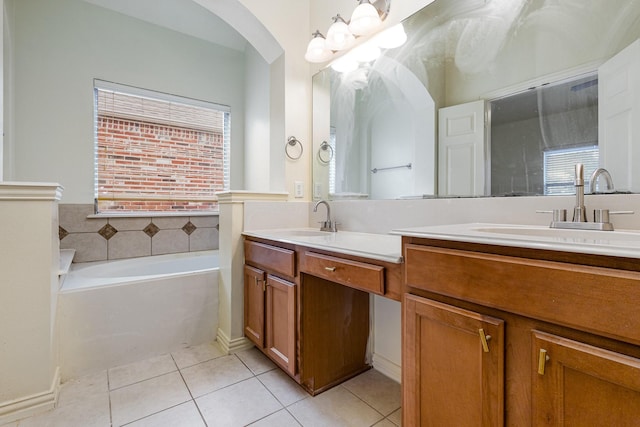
(199, 386)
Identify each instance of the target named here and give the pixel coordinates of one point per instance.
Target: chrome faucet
(326, 225)
(600, 216)
(579, 211)
(593, 181)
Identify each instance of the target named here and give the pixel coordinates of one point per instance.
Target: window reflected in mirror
(537, 136)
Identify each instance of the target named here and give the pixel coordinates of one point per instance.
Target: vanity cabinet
(270, 304)
(280, 315)
(453, 365)
(579, 385)
(255, 287)
(565, 336)
(308, 309)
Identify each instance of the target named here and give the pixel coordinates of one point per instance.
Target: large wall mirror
(486, 98)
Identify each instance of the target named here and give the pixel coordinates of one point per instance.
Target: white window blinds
(158, 152)
(559, 168)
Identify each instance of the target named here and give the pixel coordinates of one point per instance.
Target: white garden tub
(115, 312)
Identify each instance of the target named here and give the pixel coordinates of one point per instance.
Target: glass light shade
(391, 37)
(317, 50)
(366, 52)
(339, 37)
(364, 20)
(345, 64)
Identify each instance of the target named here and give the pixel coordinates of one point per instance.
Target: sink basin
(376, 246)
(300, 232)
(625, 243)
(554, 233)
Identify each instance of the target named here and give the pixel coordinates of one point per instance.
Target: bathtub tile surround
(151, 230)
(100, 239)
(189, 228)
(157, 392)
(127, 244)
(170, 241)
(108, 231)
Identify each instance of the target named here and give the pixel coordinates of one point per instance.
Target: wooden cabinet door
(453, 366)
(281, 323)
(254, 290)
(576, 384)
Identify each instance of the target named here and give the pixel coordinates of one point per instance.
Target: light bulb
(339, 37)
(317, 50)
(365, 19)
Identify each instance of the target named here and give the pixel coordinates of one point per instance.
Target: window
(158, 152)
(537, 132)
(559, 168)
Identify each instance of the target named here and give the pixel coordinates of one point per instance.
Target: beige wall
(56, 49)
(29, 374)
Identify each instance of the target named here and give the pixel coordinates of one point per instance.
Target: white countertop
(620, 243)
(382, 247)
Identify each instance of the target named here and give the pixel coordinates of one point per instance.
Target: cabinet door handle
(543, 358)
(484, 339)
(330, 268)
(264, 288)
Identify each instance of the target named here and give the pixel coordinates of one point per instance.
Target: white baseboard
(387, 367)
(27, 406)
(232, 346)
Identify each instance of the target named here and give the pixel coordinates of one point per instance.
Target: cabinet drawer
(594, 299)
(271, 258)
(359, 275)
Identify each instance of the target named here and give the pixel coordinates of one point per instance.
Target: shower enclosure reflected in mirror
(411, 124)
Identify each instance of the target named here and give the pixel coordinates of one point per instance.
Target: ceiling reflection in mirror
(411, 123)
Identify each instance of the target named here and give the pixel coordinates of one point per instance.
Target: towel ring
(292, 142)
(325, 147)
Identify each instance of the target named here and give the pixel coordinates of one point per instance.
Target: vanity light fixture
(371, 49)
(366, 19)
(339, 37)
(317, 50)
(345, 64)
(366, 52)
(391, 38)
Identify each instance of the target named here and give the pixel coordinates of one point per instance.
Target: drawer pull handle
(543, 358)
(330, 268)
(484, 339)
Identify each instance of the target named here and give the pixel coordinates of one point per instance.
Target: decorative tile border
(92, 237)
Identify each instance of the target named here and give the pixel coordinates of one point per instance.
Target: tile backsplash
(99, 239)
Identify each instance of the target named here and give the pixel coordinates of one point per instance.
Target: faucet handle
(558, 214)
(621, 212)
(601, 215)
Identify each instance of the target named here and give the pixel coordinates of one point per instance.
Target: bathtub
(112, 313)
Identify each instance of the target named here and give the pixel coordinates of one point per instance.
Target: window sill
(152, 214)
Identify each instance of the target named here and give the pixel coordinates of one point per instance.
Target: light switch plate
(298, 189)
(317, 190)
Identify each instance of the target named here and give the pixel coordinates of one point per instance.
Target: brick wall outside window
(137, 159)
(157, 151)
